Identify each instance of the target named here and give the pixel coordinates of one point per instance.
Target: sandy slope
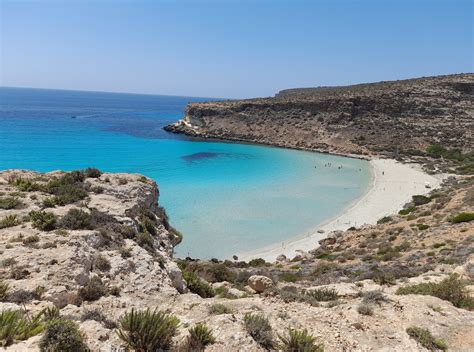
(392, 186)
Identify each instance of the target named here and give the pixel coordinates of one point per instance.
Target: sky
(229, 49)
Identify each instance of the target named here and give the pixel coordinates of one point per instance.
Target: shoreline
(393, 184)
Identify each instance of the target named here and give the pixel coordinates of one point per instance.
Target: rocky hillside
(364, 119)
(85, 254)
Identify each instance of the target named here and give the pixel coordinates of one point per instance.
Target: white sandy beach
(392, 186)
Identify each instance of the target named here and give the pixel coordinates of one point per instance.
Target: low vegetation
(76, 219)
(451, 289)
(199, 337)
(4, 288)
(323, 294)
(9, 221)
(62, 334)
(259, 328)
(93, 290)
(426, 339)
(43, 220)
(197, 285)
(7, 203)
(17, 326)
(462, 217)
(300, 340)
(219, 308)
(148, 330)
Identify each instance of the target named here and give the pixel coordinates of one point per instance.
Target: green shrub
(218, 308)
(93, 290)
(299, 341)
(365, 309)
(15, 326)
(323, 294)
(62, 335)
(420, 200)
(323, 268)
(198, 286)
(422, 227)
(9, 221)
(257, 262)
(76, 219)
(407, 211)
(199, 337)
(43, 220)
(259, 329)
(148, 330)
(212, 272)
(384, 220)
(25, 185)
(92, 172)
(426, 339)
(451, 289)
(375, 296)
(102, 263)
(67, 189)
(49, 202)
(125, 252)
(462, 217)
(145, 240)
(10, 203)
(50, 313)
(288, 277)
(4, 288)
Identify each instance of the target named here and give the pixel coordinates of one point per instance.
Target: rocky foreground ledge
(85, 254)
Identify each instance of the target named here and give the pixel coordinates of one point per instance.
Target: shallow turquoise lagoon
(225, 198)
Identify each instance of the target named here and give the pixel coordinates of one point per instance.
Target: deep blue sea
(225, 198)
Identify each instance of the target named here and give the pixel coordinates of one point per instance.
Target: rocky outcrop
(260, 283)
(115, 254)
(362, 119)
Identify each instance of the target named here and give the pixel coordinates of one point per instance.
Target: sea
(225, 198)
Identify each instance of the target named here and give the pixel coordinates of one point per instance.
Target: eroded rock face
(363, 119)
(260, 283)
(123, 240)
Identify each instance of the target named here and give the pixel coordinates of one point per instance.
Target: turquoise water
(225, 198)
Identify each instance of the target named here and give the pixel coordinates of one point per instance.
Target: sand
(393, 185)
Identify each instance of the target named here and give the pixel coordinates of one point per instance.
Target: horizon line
(112, 92)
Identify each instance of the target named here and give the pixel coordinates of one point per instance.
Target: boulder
(260, 283)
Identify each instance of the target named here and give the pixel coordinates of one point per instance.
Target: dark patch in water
(191, 158)
(200, 156)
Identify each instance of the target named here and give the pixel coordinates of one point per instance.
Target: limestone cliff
(378, 118)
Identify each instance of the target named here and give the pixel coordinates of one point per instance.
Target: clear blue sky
(229, 48)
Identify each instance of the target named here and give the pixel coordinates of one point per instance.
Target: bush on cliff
(10, 203)
(16, 326)
(451, 289)
(43, 220)
(9, 221)
(76, 219)
(260, 329)
(198, 286)
(93, 290)
(148, 330)
(426, 339)
(62, 335)
(300, 341)
(199, 337)
(462, 217)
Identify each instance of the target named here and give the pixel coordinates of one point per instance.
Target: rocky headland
(392, 119)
